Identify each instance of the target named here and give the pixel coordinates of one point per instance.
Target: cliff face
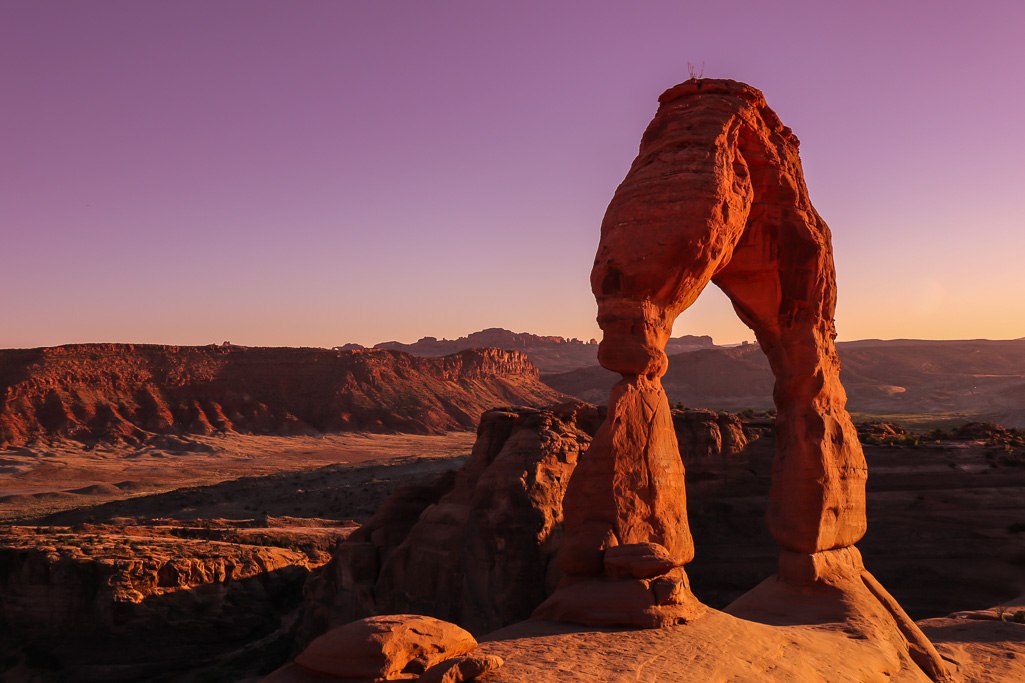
(125, 392)
(125, 604)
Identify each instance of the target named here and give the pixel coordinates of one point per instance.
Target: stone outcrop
(478, 548)
(475, 550)
(717, 195)
(129, 392)
(712, 443)
(122, 606)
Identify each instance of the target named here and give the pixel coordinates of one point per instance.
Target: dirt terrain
(67, 475)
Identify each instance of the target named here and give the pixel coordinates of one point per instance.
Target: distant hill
(129, 392)
(549, 354)
(979, 378)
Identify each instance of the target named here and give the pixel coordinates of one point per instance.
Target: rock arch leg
(782, 284)
(671, 225)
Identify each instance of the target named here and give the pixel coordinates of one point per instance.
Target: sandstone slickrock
(128, 392)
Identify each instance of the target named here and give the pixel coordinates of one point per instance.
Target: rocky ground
(944, 538)
(110, 581)
(205, 582)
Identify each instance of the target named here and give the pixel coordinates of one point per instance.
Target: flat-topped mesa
(717, 194)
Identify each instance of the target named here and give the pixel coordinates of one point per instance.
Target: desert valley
(168, 500)
(768, 449)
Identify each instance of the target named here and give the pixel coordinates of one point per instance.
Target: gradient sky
(314, 173)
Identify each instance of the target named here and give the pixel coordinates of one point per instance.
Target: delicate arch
(717, 194)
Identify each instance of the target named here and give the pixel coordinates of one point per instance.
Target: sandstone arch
(717, 194)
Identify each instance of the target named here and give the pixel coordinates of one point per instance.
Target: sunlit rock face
(717, 194)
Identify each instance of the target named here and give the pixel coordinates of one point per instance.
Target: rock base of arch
(831, 587)
(604, 601)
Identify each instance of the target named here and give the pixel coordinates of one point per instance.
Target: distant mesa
(550, 354)
(978, 379)
(130, 392)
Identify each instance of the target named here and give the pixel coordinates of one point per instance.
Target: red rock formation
(476, 551)
(717, 194)
(129, 392)
(140, 605)
(711, 442)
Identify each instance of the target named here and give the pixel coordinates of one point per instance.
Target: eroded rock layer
(128, 392)
(135, 604)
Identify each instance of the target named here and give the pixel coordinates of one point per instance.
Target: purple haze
(314, 173)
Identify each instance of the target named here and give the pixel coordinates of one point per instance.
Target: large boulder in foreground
(386, 648)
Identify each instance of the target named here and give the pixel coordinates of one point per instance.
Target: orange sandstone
(717, 194)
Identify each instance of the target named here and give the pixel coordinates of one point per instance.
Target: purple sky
(314, 173)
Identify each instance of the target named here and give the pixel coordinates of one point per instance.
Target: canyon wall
(127, 392)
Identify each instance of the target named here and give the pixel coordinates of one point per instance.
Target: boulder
(391, 647)
(467, 668)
